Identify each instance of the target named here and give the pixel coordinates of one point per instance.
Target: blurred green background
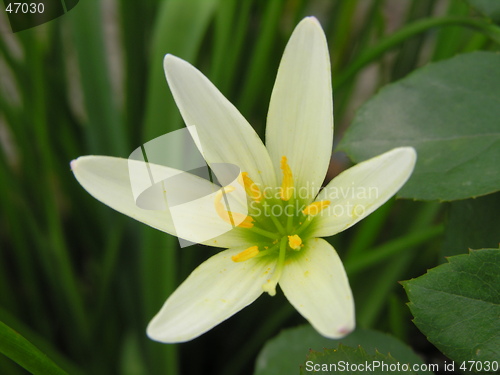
(81, 281)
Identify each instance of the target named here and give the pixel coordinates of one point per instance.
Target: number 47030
(25, 8)
(478, 366)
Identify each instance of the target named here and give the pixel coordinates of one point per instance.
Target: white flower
(277, 243)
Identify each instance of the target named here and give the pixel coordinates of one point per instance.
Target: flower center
(276, 224)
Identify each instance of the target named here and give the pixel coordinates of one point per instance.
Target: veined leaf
(457, 306)
(448, 111)
(287, 351)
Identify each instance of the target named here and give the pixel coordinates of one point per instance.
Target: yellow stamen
(270, 285)
(240, 179)
(314, 208)
(233, 218)
(246, 254)
(287, 184)
(247, 222)
(251, 187)
(295, 242)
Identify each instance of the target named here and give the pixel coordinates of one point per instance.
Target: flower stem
(264, 233)
(305, 224)
(270, 286)
(391, 248)
(276, 222)
(409, 31)
(289, 218)
(267, 251)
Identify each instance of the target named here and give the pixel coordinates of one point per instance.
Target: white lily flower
(277, 243)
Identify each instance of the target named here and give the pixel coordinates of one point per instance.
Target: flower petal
(300, 118)
(214, 291)
(360, 190)
(223, 134)
(315, 283)
(108, 180)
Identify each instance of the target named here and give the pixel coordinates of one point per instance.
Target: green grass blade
(20, 350)
(391, 249)
(408, 55)
(41, 342)
(104, 129)
(179, 30)
(341, 31)
(269, 326)
(23, 267)
(224, 19)
(397, 267)
(159, 280)
(135, 29)
(449, 40)
(260, 58)
(368, 230)
(39, 175)
(10, 367)
(407, 32)
(230, 29)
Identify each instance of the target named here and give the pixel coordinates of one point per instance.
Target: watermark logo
(170, 174)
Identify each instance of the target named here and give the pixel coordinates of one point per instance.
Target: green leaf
(103, 128)
(287, 351)
(448, 111)
(490, 8)
(39, 341)
(347, 360)
(472, 224)
(457, 306)
(179, 30)
(20, 350)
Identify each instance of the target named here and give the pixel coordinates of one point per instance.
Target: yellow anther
(240, 179)
(287, 184)
(270, 287)
(233, 218)
(314, 208)
(247, 222)
(295, 242)
(246, 254)
(251, 187)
